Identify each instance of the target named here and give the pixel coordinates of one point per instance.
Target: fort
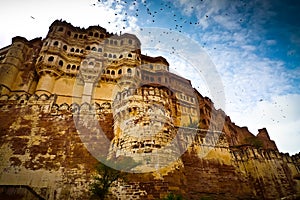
(80, 95)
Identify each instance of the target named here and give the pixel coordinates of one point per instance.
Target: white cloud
(32, 18)
(280, 115)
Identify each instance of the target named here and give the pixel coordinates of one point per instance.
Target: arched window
(94, 49)
(65, 47)
(108, 71)
(80, 36)
(68, 66)
(78, 67)
(111, 42)
(151, 66)
(129, 71)
(121, 56)
(55, 43)
(81, 51)
(129, 41)
(69, 33)
(88, 48)
(109, 55)
(99, 50)
(120, 71)
(106, 41)
(91, 63)
(40, 59)
(105, 54)
(90, 33)
(61, 63)
(73, 67)
(51, 58)
(76, 35)
(84, 37)
(115, 43)
(101, 36)
(122, 42)
(77, 51)
(96, 35)
(84, 63)
(72, 50)
(114, 56)
(112, 72)
(129, 55)
(61, 29)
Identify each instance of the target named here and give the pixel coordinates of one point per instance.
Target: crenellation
(55, 93)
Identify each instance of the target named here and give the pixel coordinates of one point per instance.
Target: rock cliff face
(41, 148)
(83, 95)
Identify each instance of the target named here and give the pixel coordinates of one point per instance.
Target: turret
(17, 72)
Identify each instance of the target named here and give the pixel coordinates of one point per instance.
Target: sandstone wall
(41, 148)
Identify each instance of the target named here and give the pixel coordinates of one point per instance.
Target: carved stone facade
(56, 92)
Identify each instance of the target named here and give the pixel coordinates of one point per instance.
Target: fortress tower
(56, 92)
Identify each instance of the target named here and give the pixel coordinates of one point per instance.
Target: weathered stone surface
(65, 104)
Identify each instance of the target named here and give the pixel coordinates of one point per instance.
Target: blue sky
(254, 47)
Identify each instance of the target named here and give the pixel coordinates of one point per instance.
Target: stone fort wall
(56, 92)
(41, 148)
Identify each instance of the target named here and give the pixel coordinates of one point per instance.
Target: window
(159, 79)
(78, 67)
(112, 72)
(109, 55)
(111, 42)
(88, 48)
(76, 36)
(81, 51)
(106, 41)
(65, 47)
(129, 55)
(115, 43)
(61, 29)
(80, 36)
(73, 67)
(77, 51)
(55, 43)
(90, 33)
(91, 63)
(151, 66)
(114, 56)
(120, 71)
(129, 41)
(99, 50)
(84, 63)
(94, 49)
(105, 54)
(72, 50)
(151, 79)
(101, 36)
(68, 66)
(138, 73)
(51, 58)
(61, 63)
(129, 71)
(122, 42)
(69, 33)
(40, 59)
(108, 71)
(121, 56)
(96, 35)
